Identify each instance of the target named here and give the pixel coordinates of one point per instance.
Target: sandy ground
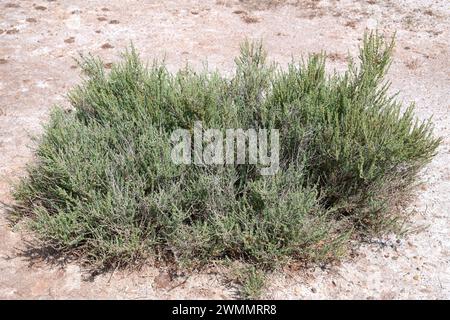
(38, 40)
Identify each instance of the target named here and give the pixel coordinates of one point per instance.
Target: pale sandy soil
(39, 38)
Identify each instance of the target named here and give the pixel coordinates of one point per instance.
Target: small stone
(162, 280)
(12, 5)
(12, 31)
(107, 46)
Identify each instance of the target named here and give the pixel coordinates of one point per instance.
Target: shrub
(103, 186)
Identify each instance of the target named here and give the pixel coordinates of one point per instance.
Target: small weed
(251, 282)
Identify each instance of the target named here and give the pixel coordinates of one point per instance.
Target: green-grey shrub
(103, 186)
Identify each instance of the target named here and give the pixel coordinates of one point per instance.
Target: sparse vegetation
(251, 282)
(104, 189)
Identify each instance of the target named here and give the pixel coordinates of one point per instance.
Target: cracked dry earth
(38, 40)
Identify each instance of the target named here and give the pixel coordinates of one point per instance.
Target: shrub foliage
(104, 188)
